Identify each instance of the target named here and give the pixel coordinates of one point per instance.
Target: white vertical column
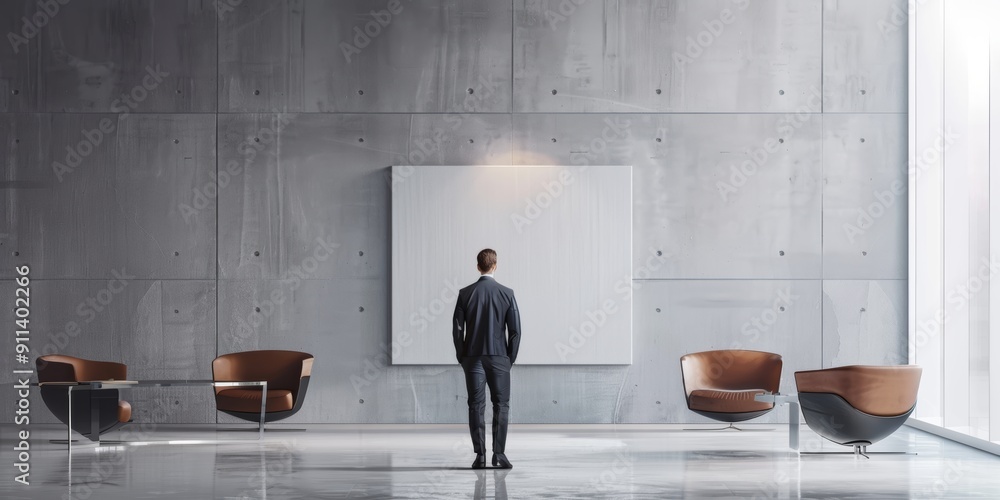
(959, 61)
(976, 38)
(925, 221)
(911, 188)
(994, 385)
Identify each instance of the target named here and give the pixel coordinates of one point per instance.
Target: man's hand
(458, 329)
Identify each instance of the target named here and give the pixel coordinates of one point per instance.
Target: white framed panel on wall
(563, 235)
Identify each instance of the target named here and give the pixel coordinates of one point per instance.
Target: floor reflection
(499, 477)
(271, 459)
(431, 461)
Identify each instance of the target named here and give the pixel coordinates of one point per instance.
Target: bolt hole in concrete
(862, 139)
(16, 254)
(658, 91)
(781, 92)
(177, 91)
(781, 253)
(554, 92)
(782, 308)
(256, 309)
(659, 140)
(553, 139)
(659, 253)
(361, 309)
(256, 139)
(361, 401)
(863, 92)
(256, 92)
(177, 141)
(864, 254)
(782, 141)
(657, 309)
(177, 311)
(361, 139)
(15, 91)
(360, 253)
(361, 92)
(256, 254)
(176, 254)
(555, 402)
(470, 90)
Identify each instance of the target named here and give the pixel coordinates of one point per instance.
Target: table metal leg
(263, 406)
(69, 420)
(69, 479)
(95, 418)
(793, 425)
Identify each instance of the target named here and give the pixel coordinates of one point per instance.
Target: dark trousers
(494, 371)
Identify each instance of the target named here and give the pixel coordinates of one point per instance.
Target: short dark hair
(486, 259)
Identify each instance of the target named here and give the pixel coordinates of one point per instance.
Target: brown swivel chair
(286, 372)
(111, 412)
(721, 385)
(858, 405)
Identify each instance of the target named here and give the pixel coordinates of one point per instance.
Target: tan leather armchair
(858, 405)
(287, 374)
(721, 385)
(112, 412)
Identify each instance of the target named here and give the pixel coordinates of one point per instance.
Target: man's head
(486, 261)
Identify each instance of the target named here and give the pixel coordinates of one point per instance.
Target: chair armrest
(307, 365)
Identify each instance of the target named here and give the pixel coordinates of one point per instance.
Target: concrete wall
(237, 196)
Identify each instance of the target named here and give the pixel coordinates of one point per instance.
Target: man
(484, 309)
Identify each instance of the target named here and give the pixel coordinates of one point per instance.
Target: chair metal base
(730, 427)
(254, 429)
(859, 451)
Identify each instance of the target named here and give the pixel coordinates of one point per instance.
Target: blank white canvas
(563, 235)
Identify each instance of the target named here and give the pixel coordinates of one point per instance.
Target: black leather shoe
(480, 462)
(500, 460)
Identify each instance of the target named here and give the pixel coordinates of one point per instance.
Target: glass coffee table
(127, 384)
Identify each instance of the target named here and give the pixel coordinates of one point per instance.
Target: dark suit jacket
(483, 310)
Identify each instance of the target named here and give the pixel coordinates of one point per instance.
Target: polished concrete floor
(550, 461)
